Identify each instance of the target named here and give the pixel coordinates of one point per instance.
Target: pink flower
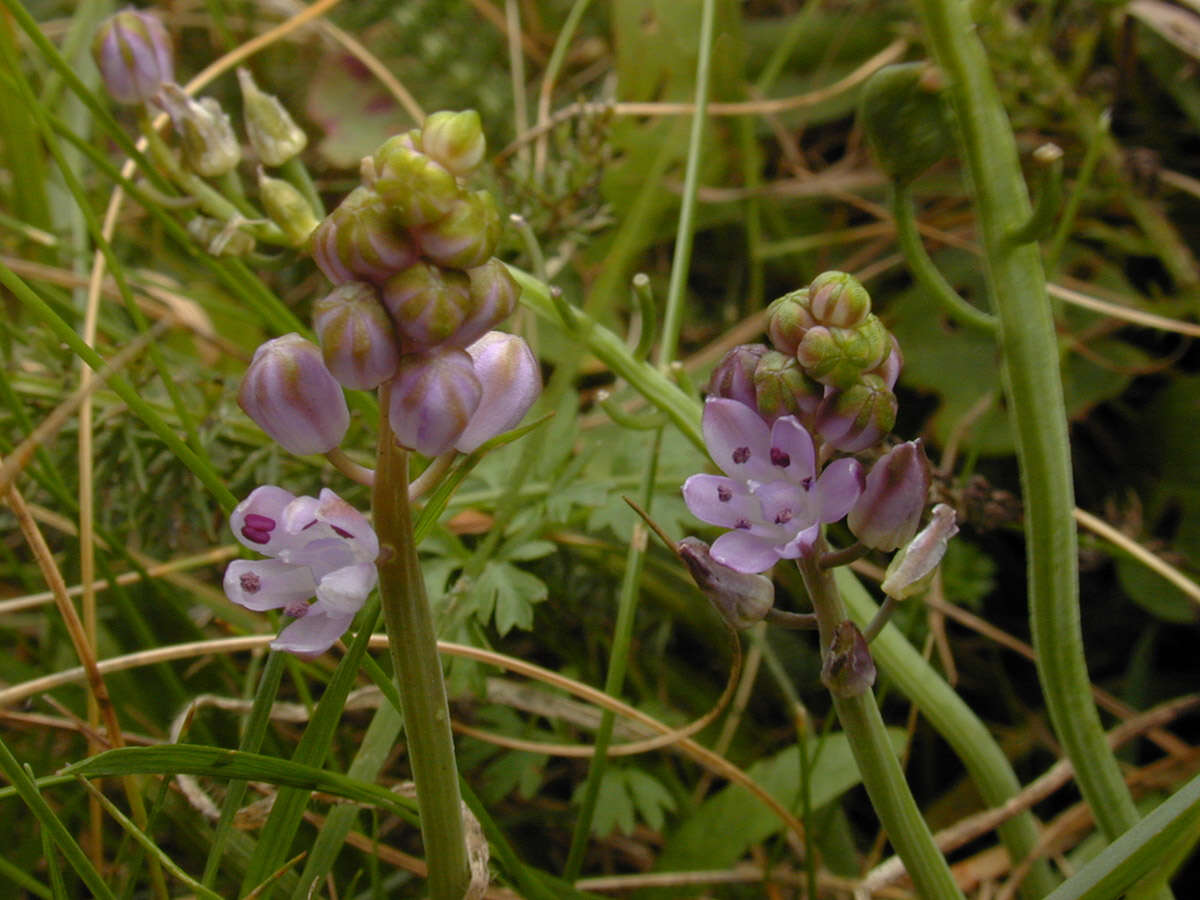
(322, 547)
(770, 496)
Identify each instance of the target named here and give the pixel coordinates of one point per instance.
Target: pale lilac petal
(511, 382)
(838, 488)
(786, 505)
(745, 552)
(737, 439)
(349, 523)
(257, 520)
(720, 501)
(801, 544)
(312, 634)
(323, 555)
(792, 450)
(344, 591)
(264, 584)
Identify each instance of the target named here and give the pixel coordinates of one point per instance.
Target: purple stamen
(256, 535)
(806, 483)
(743, 524)
(779, 458)
(741, 454)
(260, 523)
(250, 582)
(341, 532)
(297, 609)
(724, 494)
(784, 516)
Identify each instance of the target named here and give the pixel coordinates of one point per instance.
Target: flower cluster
(320, 547)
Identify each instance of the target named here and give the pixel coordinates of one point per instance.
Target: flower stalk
(413, 645)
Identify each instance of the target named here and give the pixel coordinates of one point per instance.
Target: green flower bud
(859, 417)
(782, 389)
(838, 300)
(428, 304)
(417, 189)
(464, 238)
(287, 208)
(273, 132)
(911, 570)
(788, 319)
(221, 239)
(455, 140)
(358, 341)
(742, 599)
(210, 148)
(134, 55)
(361, 241)
(906, 119)
(848, 670)
(839, 357)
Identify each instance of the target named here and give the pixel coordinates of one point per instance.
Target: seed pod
(210, 148)
(287, 208)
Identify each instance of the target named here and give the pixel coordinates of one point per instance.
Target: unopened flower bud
(494, 295)
(134, 55)
(733, 378)
(788, 319)
(848, 670)
(466, 236)
(857, 418)
(782, 389)
(210, 147)
(292, 396)
(455, 140)
(511, 382)
(838, 357)
(433, 397)
(273, 132)
(361, 241)
(219, 238)
(889, 369)
(888, 511)
(287, 208)
(428, 304)
(417, 189)
(912, 568)
(838, 300)
(358, 341)
(741, 598)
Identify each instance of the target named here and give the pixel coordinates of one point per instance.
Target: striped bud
(292, 396)
(511, 382)
(428, 304)
(210, 148)
(417, 189)
(361, 241)
(838, 300)
(859, 417)
(888, 511)
(464, 238)
(455, 140)
(782, 389)
(134, 55)
(733, 378)
(432, 399)
(357, 339)
(272, 131)
(494, 295)
(839, 357)
(788, 320)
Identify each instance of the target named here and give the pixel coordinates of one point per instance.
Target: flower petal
(737, 439)
(838, 488)
(744, 552)
(801, 544)
(264, 584)
(720, 501)
(257, 520)
(312, 634)
(787, 506)
(345, 590)
(792, 451)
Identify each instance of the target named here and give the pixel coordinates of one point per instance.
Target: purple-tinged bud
(742, 599)
(733, 378)
(838, 300)
(134, 55)
(272, 131)
(788, 319)
(494, 295)
(428, 304)
(857, 418)
(888, 511)
(782, 389)
(455, 140)
(848, 670)
(417, 189)
(287, 208)
(292, 396)
(361, 241)
(511, 382)
(433, 397)
(465, 237)
(357, 339)
(889, 369)
(838, 357)
(911, 570)
(210, 148)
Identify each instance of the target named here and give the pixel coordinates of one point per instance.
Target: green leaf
(651, 798)
(510, 593)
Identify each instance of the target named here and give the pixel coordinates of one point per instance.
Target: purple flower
(771, 496)
(318, 546)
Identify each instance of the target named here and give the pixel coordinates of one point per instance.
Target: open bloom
(318, 546)
(770, 496)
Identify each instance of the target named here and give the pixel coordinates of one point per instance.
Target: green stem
(413, 645)
(877, 762)
(297, 174)
(1033, 387)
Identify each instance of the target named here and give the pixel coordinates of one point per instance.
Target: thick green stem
(1035, 398)
(877, 762)
(413, 645)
